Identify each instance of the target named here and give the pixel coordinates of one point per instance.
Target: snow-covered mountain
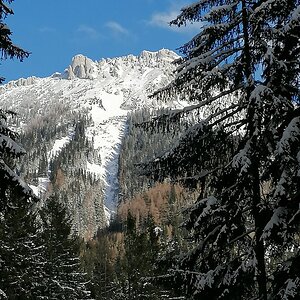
(100, 93)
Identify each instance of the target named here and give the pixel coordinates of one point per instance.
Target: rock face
(81, 67)
(151, 58)
(72, 126)
(20, 82)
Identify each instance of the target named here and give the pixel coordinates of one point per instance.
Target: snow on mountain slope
(101, 92)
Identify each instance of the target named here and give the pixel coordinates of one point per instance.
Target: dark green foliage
(20, 257)
(125, 260)
(139, 146)
(63, 277)
(39, 136)
(7, 48)
(133, 264)
(75, 185)
(9, 148)
(242, 74)
(19, 254)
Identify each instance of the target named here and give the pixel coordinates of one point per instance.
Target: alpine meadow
(168, 174)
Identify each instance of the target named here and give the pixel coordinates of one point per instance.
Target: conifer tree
(63, 277)
(98, 262)
(7, 47)
(20, 252)
(241, 74)
(138, 263)
(19, 259)
(9, 148)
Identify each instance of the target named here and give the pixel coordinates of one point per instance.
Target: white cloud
(89, 32)
(116, 28)
(163, 19)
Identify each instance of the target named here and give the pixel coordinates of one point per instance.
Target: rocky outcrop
(21, 82)
(81, 67)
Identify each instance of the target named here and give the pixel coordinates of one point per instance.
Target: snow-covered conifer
(63, 278)
(241, 75)
(7, 47)
(9, 148)
(19, 263)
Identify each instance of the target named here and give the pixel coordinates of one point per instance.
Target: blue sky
(56, 30)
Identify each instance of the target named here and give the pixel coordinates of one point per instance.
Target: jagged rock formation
(81, 67)
(72, 126)
(19, 82)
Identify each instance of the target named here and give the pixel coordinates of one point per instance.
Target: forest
(209, 194)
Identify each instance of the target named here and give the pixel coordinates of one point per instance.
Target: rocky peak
(81, 67)
(163, 54)
(21, 82)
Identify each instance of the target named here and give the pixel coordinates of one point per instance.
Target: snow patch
(241, 160)
(42, 187)
(275, 220)
(58, 146)
(290, 134)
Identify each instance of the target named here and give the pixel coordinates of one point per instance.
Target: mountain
(72, 125)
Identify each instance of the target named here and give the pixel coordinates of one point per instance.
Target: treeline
(75, 186)
(39, 137)
(39, 257)
(140, 146)
(125, 259)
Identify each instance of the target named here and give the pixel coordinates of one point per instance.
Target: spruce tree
(98, 261)
(9, 148)
(7, 47)
(19, 258)
(20, 252)
(138, 267)
(241, 74)
(63, 277)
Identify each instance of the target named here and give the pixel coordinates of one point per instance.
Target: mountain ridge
(80, 60)
(86, 105)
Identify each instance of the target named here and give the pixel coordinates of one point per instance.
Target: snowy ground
(107, 133)
(43, 182)
(41, 188)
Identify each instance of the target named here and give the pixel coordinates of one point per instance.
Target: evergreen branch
(4, 9)
(241, 236)
(179, 112)
(217, 49)
(221, 112)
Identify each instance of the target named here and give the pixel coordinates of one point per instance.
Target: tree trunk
(259, 248)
